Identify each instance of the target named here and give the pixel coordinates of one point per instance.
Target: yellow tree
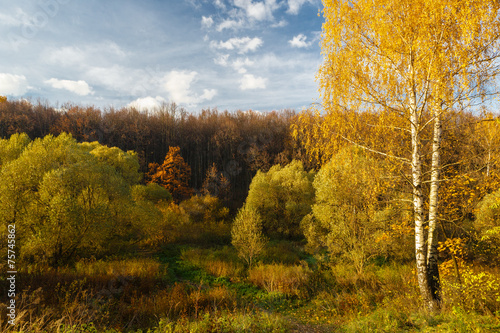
(409, 62)
(3, 99)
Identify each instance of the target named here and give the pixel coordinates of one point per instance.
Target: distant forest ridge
(238, 143)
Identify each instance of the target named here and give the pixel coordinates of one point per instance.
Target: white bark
(432, 252)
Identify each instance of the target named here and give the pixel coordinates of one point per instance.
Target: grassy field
(195, 288)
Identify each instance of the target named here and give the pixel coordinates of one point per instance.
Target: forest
(377, 210)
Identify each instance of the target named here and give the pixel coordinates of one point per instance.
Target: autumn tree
(70, 199)
(411, 63)
(216, 184)
(352, 209)
(246, 234)
(282, 196)
(3, 99)
(173, 174)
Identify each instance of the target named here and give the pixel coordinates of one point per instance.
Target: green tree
(282, 196)
(246, 234)
(351, 209)
(487, 224)
(11, 148)
(67, 200)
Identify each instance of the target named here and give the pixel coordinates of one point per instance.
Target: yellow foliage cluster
(476, 291)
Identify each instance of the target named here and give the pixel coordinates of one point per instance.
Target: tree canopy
(407, 65)
(68, 198)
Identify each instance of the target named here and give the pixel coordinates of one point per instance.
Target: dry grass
(279, 277)
(223, 262)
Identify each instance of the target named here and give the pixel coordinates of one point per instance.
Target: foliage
(173, 174)
(70, 199)
(282, 196)
(406, 65)
(350, 209)
(477, 291)
(151, 192)
(204, 209)
(11, 148)
(487, 224)
(246, 234)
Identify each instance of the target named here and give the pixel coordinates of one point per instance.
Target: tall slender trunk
(418, 209)
(432, 252)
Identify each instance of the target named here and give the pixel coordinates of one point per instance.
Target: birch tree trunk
(432, 252)
(418, 208)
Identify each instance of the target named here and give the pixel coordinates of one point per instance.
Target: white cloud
(79, 87)
(178, 86)
(208, 94)
(259, 11)
(220, 4)
(16, 19)
(130, 81)
(229, 24)
(242, 45)
(66, 56)
(240, 64)
(79, 56)
(250, 82)
(294, 6)
(280, 24)
(12, 84)
(222, 60)
(147, 103)
(207, 22)
(299, 41)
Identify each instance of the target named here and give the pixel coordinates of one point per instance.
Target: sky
(224, 54)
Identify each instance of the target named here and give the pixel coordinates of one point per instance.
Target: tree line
(236, 143)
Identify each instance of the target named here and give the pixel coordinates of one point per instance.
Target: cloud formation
(207, 22)
(259, 11)
(12, 84)
(299, 41)
(147, 103)
(251, 82)
(241, 45)
(294, 6)
(79, 87)
(178, 85)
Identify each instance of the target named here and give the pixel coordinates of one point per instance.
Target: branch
(376, 151)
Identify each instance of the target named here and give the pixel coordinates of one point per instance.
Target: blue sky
(225, 54)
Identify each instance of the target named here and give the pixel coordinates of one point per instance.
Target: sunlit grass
(221, 295)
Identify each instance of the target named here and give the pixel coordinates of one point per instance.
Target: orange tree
(173, 174)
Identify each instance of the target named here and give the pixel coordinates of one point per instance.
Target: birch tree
(410, 62)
